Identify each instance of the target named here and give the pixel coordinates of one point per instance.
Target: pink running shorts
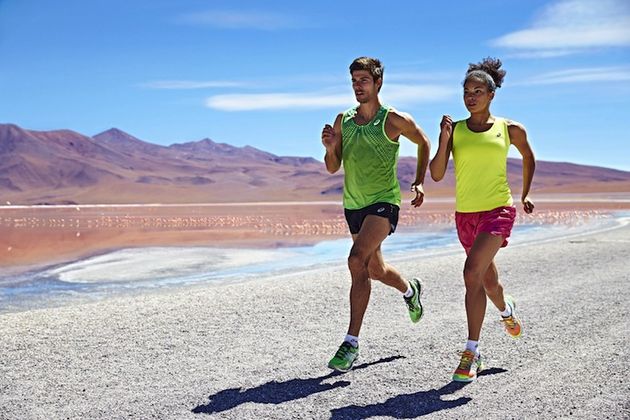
(496, 222)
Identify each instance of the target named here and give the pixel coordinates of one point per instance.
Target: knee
(357, 261)
(473, 277)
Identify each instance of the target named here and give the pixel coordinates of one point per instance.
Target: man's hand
(528, 205)
(329, 138)
(419, 190)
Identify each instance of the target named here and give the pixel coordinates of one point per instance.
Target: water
(138, 270)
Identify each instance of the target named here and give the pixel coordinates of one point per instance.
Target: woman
(484, 210)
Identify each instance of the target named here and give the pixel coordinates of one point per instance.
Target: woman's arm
(440, 160)
(518, 137)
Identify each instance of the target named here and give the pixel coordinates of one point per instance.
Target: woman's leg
(493, 287)
(478, 262)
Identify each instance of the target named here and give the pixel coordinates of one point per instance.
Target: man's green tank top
(481, 167)
(369, 161)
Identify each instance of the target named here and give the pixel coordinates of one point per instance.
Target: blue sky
(270, 74)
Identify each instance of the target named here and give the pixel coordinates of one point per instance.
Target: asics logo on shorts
(381, 210)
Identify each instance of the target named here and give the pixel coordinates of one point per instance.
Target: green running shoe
(344, 358)
(413, 303)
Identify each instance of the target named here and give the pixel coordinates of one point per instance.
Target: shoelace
(409, 301)
(467, 359)
(509, 322)
(343, 351)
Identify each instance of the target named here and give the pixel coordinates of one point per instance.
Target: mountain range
(114, 167)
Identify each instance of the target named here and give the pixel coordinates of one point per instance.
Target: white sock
(473, 346)
(352, 340)
(507, 312)
(409, 291)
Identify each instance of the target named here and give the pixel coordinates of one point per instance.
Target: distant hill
(64, 166)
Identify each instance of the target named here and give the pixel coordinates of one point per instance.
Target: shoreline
(136, 271)
(50, 236)
(40, 236)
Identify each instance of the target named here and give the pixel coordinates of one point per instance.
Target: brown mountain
(63, 166)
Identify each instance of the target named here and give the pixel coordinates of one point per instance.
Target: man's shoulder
(348, 114)
(398, 117)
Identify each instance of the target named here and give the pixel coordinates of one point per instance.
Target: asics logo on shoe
(381, 210)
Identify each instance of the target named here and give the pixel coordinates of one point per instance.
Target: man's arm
(518, 137)
(331, 139)
(404, 124)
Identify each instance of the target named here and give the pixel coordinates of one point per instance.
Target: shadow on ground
(278, 392)
(410, 405)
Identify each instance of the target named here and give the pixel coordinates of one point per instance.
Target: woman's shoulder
(515, 129)
(510, 122)
(514, 126)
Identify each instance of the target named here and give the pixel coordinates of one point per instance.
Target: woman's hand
(528, 205)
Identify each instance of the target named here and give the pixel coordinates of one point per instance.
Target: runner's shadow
(278, 392)
(491, 371)
(410, 405)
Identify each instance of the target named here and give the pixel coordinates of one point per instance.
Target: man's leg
(379, 270)
(373, 231)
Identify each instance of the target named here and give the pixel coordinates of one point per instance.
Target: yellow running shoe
(469, 365)
(512, 324)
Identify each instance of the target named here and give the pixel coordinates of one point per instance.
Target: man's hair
(373, 65)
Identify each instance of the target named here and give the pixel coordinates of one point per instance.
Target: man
(365, 138)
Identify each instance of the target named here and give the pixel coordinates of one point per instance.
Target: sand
(259, 349)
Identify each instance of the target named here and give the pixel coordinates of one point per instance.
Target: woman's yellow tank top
(481, 167)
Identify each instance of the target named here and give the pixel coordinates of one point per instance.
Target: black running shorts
(355, 217)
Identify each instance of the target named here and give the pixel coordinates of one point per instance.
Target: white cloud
(190, 84)
(270, 101)
(392, 93)
(414, 76)
(543, 53)
(572, 26)
(227, 19)
(413, 94)
(583, 75)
